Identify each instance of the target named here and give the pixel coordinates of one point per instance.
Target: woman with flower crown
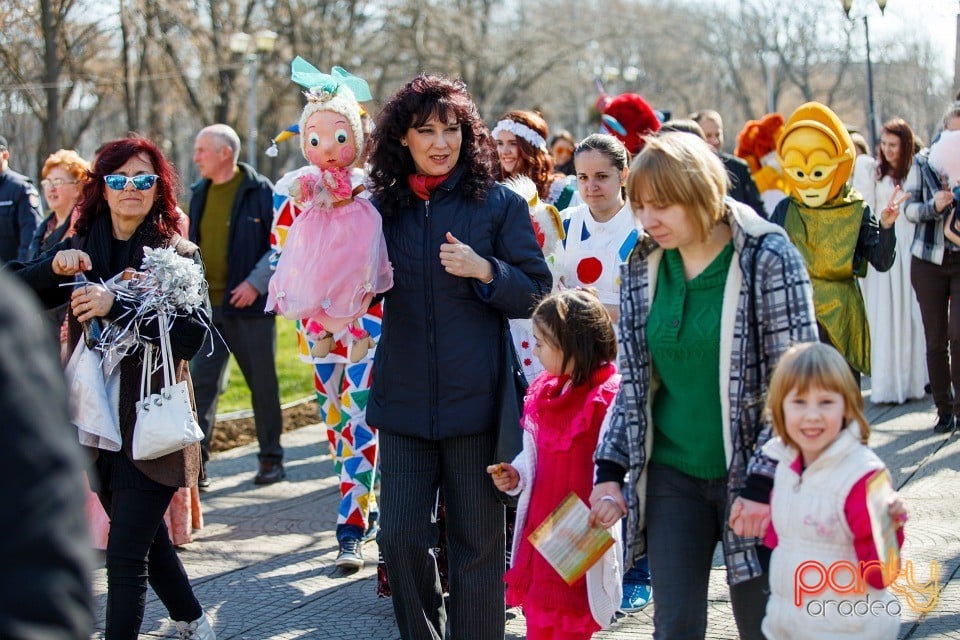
(126, 209)
(521, 139)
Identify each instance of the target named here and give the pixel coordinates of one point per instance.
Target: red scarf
(422, 185)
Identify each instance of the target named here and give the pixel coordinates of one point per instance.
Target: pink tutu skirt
(333, 262)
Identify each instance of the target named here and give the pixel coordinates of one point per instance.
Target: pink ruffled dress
(334, 259)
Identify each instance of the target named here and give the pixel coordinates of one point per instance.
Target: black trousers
(411, 471)
(685, 520)
(938, 293)
(139, 550)
(253, 342)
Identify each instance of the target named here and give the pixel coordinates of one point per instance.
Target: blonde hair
(68, 160)
(680, 169)
(814, 364)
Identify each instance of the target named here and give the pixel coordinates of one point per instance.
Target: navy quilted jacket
(439, 358)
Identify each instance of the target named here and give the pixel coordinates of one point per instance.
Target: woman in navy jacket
(465, 256)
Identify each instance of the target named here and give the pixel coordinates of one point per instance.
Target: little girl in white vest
(828, 573)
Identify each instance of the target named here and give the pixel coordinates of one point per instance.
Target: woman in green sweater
(710, 298)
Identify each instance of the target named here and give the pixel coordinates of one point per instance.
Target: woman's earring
(403, 142)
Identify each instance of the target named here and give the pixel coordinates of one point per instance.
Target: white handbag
(165, 420)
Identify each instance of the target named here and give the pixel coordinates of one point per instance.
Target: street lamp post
(770, 59)
(251, 47)
(872, 124)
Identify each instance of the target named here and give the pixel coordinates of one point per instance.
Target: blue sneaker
(636, 596)
(373, 528)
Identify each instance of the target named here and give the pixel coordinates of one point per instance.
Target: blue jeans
(639, 573)
(685, 519)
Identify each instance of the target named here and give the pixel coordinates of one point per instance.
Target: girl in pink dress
(334, 259)
(565, 410)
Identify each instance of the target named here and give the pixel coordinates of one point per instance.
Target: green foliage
(295, 376)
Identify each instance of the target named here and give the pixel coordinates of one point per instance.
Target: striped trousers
(411, 471)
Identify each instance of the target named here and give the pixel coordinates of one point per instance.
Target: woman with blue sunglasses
(128, 204)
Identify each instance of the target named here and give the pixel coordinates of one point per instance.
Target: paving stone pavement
(263, 565)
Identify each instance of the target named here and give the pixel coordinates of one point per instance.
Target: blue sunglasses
(140, 183)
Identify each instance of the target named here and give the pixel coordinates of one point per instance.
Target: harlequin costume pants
(342, 392)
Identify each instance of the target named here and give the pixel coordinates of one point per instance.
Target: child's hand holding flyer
(568, 542)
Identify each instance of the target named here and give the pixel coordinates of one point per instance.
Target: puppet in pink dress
(334, 259)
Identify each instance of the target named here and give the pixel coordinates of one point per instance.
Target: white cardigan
(605, 578)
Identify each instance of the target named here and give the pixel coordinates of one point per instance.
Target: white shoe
(199, 629)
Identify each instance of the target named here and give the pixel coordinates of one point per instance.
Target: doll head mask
(816, 154)
(331, 134)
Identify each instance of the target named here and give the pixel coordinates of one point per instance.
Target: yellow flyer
(879, 492)
(568, 542)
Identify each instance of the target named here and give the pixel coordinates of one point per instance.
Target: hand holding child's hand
(749, 519)
(505, 476)
(897, 510)
(607, 505)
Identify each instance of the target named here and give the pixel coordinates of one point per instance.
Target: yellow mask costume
(823, 220)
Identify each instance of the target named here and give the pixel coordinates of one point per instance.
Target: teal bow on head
(308, 76)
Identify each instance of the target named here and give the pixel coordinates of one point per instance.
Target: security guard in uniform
(20, 210)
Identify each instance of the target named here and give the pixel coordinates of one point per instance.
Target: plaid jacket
(922, 183)
(767, 306)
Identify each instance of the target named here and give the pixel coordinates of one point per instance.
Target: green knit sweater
(684, 337)
(215, 235)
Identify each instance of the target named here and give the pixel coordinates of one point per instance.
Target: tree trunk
(51, 125)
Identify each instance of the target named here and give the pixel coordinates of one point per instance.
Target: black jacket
(186, 332)
(439, 358)
(248, 248)
(38, 245)
(19, 215)
(742, 187)
(45, 556)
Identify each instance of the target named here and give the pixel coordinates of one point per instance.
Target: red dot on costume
(589, 270)
(524, 344)
(527, 362)
(541, 237)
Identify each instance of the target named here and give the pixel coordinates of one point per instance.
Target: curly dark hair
(422, 98)
(896, 127)
(162, 218)
(532, 162)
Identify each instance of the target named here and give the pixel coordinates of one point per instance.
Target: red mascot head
(629, 118)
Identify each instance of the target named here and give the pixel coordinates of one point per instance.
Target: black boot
(945, 424)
